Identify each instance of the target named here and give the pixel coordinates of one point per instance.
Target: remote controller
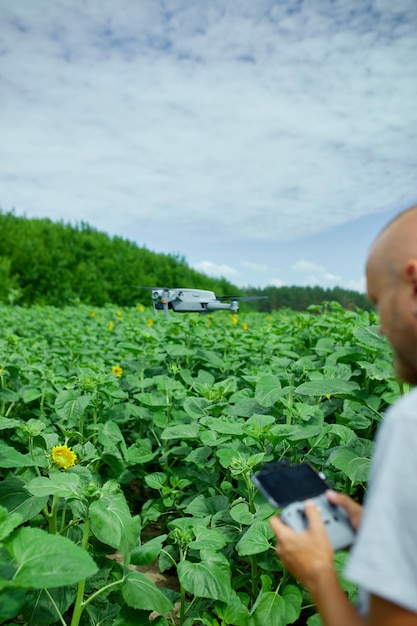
(338, 527)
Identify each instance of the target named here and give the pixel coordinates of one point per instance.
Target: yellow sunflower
(63, 456)
(117, 371)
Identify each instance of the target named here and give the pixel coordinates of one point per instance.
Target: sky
(264, 141)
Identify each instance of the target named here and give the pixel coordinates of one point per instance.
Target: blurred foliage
(45, 262)
(300, 298)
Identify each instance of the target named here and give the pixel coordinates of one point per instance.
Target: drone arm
(221, 306)
(165, 305)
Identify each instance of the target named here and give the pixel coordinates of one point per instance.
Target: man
(383, 560)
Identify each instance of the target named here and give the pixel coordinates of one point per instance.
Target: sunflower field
(127, 446)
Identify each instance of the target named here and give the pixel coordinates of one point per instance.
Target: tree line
(46, 262)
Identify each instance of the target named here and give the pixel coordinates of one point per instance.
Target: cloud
(276, 282)
(356, 285)
(315, 274)
(258, 267)
(211, 269)
(262, 122)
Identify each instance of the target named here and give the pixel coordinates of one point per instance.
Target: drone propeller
(152, 288)
(241, 298)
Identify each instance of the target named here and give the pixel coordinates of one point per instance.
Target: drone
(194, 301)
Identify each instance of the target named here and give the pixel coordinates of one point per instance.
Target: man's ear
(410, 273)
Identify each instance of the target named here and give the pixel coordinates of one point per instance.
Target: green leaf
(11, 602)
(343, 433)
(156, 480)
(378, 370)
(29, 394)
(182, 431)
(16, 499)
(45, 561)
(359, 469)
(226, 456)
(6, 422)
(233, 612)
(210, 578)
(269, 610)
(224, 427)
(355, 467)
(268, 390)
(39, 609)
(140, 592)
(140, 452)
(8, 395)
(293, 601)
(147, 552)
(112, 524)
(255, 539)
(133, 617)
(241, 514)
(212, 358)
(328, 387)
(8, 522)
(196, 407)
(296, 432)
(154, 398)
(63, 485)
(70, 405)
(207, 539)
(10, 457)
(372, 338)
(109, 434)
(244, 408)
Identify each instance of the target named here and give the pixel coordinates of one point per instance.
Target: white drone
(194, 300)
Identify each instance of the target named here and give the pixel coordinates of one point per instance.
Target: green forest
(52, 263)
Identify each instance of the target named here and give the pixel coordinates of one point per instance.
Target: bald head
(395, 245)
(391, 274)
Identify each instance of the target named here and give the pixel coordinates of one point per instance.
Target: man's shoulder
(405, 405)
(408, 399)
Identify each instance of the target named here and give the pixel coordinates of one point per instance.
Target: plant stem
(52, 516)
(32, 455)
(61, 619)
(79, 606)
(182, 590)
(99, 591)
(182, 604)
(42, 402)
(9, 410)
(255, 577)
(64, 511)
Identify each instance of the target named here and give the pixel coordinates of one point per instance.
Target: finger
(313, 515)
(341, 499)
(279, 528)
(335, 497)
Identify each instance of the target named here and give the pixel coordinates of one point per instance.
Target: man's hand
(352, 508)
(305, 554)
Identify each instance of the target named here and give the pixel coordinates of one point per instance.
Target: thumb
(341, 499)
(313, 516)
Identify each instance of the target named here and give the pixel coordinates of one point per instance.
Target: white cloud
(356, 285)
(256, 121)
(307, 266)
(276, 282)
(315, 274)
(211, 269)
(258, 267)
